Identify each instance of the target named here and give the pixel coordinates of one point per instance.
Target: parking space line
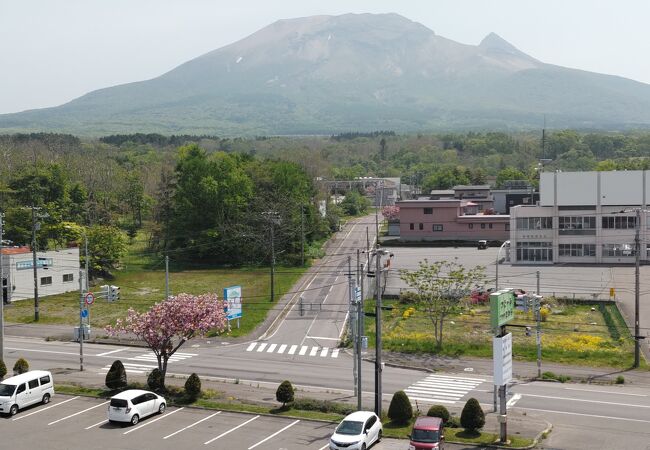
(325, 446)
(230, 431)
(191, 425)
(77, 413)
(98, 423)
(153, 421)
(111, 352)
(273, 435)
(46, 408)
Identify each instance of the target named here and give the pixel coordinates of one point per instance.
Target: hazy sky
(52, 51)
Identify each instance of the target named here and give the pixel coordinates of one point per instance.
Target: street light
(496, 283)
(83, 231)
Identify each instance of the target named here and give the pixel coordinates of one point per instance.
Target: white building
(57, 272)
(583, 217)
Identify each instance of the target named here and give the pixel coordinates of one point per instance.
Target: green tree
(21, 366)
(400, 410)
(439, 411)
(3, 369)
(116, 376)
(106, 245)
(284, 393)
(193, 386)
(509, 173)
(472, 418)
(440, 287)
(354, 203)
(155, 380)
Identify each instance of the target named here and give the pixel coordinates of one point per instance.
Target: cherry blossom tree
(390, 213)
(169, 324)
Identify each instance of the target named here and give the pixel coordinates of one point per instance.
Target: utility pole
(637, 248)
(302, 235)
(87, 257)
(2, 297)
(378, 368)
(166, 277)
(272, 264)
(353, 323)
(360, 331)
(538, 334)
(36, 314)
(81, 324)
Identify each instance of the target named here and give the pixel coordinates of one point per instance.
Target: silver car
(135, 404)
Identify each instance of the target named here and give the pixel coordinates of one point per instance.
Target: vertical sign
(502, 308)
(232, 298)
(502, 351)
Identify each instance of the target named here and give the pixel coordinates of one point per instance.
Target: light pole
(496, 282)
(83, 232)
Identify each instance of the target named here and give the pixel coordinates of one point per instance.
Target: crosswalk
(442, 388)
(297, 350)
(146, 362)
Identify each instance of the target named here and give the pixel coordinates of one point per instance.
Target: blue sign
(29, 264)
(232, 299)
(84, 313)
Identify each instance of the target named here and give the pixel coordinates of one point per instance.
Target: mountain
(354, 72)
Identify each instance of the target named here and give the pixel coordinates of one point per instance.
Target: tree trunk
(439, 338)
(163, 371)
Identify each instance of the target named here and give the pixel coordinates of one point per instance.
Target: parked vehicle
(427, 433)
(29, 388)
(482, 245)
(135, 404)
(480, 295)
(357, 431)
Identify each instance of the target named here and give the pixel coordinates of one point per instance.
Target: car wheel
(46, 399)
(161, 408)
(363, 446)
(13, 410)
(135, 419)
(379, 435)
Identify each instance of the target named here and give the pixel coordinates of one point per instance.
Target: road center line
(77, 413)
(230, 431)
(605, 392)
(191, 425)
(273, 435)
(587, 401)
(583, 415)
(41, 351)
(46, 408)
(153, 421)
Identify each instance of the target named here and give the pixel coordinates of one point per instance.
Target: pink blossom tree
(169, 324)
(390, 213)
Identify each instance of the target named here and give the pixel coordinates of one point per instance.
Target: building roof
(442, 192)
(462, 187)
(15, 250)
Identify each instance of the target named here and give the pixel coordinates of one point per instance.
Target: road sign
(84, 313)
(502, 353)
(502, 308)
(357, 293)
(89, 298)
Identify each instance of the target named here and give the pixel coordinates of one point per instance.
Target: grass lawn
(573, 333)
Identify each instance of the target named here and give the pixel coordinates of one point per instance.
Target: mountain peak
(494, 42)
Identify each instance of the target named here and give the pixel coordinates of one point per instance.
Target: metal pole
(358, 345)
(538, 334)
(378, 395)
(81, 325)
(36, 315)
(302, 236)
(166, 277)
(496, 281)
(503, 411)
(353, 324)
(2, 298)
(272, 264)
(637, 332)
(537, 273)
(86, 253)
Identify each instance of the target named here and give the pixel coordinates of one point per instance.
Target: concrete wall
(21, 280)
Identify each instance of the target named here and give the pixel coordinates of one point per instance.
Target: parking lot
(80, 422)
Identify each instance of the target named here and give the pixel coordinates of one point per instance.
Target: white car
(135, 404)
(24, 390)
(358, 431)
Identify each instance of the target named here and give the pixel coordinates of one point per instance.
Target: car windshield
(7, 390)
(349, 427)
(119, 402)
(425, 436)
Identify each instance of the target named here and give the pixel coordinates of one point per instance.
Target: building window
(67, 277)
(507, 227)
(534, 223)
(534, 251)
(577, 250)
(412, 226)
(572, 225)
(470, 226)
(421, 226)
(490, 226)
(614, 250)
(482, 226)
(619, 222)
(46, 281)
(428, 210)
(437, 227)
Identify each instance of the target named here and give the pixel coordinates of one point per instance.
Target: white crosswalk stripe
(304, 350)
(442, 388)
(146, 362)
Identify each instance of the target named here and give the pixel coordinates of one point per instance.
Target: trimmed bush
(284, 394)
(155, 380)
(620, 379)
(400, 410)
(116, 376)
(472, 418)
(439, 411)
(326, 406)
(3, 369)
(193, 386)
(21, 366)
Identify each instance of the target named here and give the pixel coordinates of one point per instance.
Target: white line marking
(46, 408)
(584, 415)
(313, 351)
(282, 348)
(99, 423)
(77, 413)
(191, 425)
(292, 350)
(323, 352)
(515, 398)
(455, 395)
(111, 352)
(139, 365)
(324, 447)
(330, 289)
(323, 338)
(271, 348)
(186, 354)
(262, 347)
(587, 401)
(153, 421)
(41, 351)
(335, 354)
(230, 431)
(432, 400)
(449, 377)
(251, 347)
(273, 435)
(303, 350)
(606, 392)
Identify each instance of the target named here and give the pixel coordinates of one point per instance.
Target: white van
(24, 390)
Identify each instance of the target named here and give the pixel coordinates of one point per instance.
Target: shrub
(439, 411)
(155, 380)
(116, 376)
(620, 379)
(400, 410)
(326, 406)
(193, 386)
(408, 297)
(3, 369)
(21, 366)
(472, 418)
(284, 394)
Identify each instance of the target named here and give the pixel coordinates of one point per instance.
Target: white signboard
(232, 296)
(502, 353)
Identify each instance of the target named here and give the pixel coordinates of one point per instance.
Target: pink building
(449, 219)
